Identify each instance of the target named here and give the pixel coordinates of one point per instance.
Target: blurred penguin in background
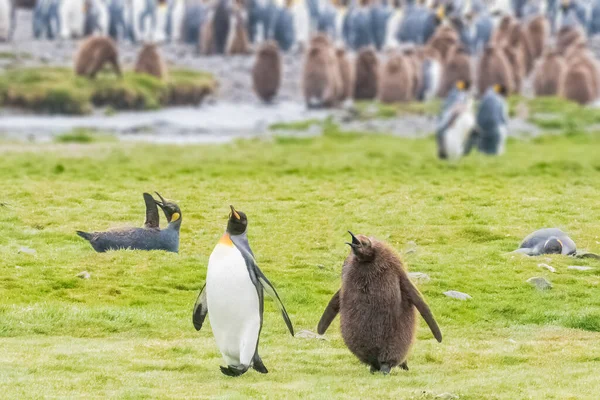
(160, 27)
(221, 26)
(195, 14)
(594, 24)
(393, 25)
(573, 12)
(549, 74)
(7, 20)
(119, 19)
(72, 16)
(144, 19)
(491, 123)
(454, 132)
(46, 19)
(302, 22)
(458, 67)
(283, 29)
(237, 42)
(380, 14)
(359, 27)
(431, 70)
(96, 18)
(174, 23)
(326, 22)
(484, 26)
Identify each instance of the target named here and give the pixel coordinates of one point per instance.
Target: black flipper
(85, 235)
(588, 255)
(152, 218)
(200, 309)
(472, 141)
(258, 365)
(233, 370)
(414, 296)
(404, 366)
(332, 309)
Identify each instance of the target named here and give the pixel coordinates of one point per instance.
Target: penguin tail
(85, 235)
(258, 365)
(234, 371)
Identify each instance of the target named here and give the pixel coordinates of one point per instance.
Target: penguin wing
(152, 219)
(414, 296)
(332, 309)
(200, 309)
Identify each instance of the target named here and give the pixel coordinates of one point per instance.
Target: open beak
(234, 213)
(355, 242)
(160, 203)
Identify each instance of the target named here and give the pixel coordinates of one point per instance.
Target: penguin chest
(458, 133)
(233, 303)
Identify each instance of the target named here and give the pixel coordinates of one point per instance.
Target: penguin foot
(385, 369)
(233, 371)
(404, 366)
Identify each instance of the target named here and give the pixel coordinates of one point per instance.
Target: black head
(553, 246)
(171, 210)
(238, 222)
(361, 247)
(464, 86)
(501, 90)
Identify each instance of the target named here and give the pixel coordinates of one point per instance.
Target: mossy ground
(127, 331)
(59, 91)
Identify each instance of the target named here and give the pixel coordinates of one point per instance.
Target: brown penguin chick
(345, 74)
(266, 73)
(366, 78)
(549, 74)
(322, 83)
(538, 30)
(457, 68)
(584, 58)
(519, 39)
(150, 62)
(516, 66)
(396, 83)
(206, 44)
(94, 52)
(377, 304)
(577, 85)
(320, 39)
(494, 70)
(416, 71)
(443, 41)
(237, 42)
(503, 30)
(569, 36)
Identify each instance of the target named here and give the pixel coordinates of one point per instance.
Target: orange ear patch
(226, 240)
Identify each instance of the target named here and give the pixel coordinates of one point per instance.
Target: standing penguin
(7, 19)
(150, 62)
(549, 75)
(492, 119)
(237, 42)
(456, 68)
(221, 25)
(321, 80)
(377, 305)
(456, 123)
(366, 78)
(494, 69)
(345, 74)
(233, 298)
(266, 73)
(396, 83)
(94, 52)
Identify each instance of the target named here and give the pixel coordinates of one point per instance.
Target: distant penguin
(514, 57)
(577, 85)
(519, 39)
(150, 237)
(456, 68)
(443, 41)
(549, 75)
(94, 52)
(538, 30)
(583, 57)
(379, 15)
(221, 26)
(46, 19)
(206, 40)
(237, 42)
(283, 28)
(377, 304)
(174, 28)
(96, 18)
(321, 76)
(119, 26)
(455, 126)
(7, 20)
(72, 14)
(396, 82)
(195, 15)
(551, 241)
(569, 36)
(366, 75)
(491, 122)
(360, 32)
(431, 21)
(416, 68)
(493, 69)
(484, 28)
(345, 74)
(267, 71)
(431, 70)
(504, 29)
(233, 298)
(150, 62)
(393, 26)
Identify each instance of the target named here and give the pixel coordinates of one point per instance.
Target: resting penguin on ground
(150, 62)
(549, 75)
(366, 75)
(396, 83)
(93, 53)
(266, 73)
(150, 237)
(551, 241)
(233, 299)
(456, 123)
(377, 305)
(457, 68)
(493, 69)
(491, 123)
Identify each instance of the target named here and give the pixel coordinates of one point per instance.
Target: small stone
(304, 334)
(27, 250)
(447, 396)
(548, 267)
(320, 266)
(513, 341)
(539, 283)
(411, 247)
(84, 275)
(579, 268)
(420, 277)
(457, 295)
(18, 267)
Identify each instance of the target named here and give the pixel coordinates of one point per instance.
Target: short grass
(59, 91)
(127, 332)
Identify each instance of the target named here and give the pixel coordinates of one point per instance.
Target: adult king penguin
(233, 298)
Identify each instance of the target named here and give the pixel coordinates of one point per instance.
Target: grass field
(126, 332)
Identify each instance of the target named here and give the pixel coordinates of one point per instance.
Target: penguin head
(553, 246)
(440, 13)
(238, 222)
(171, 210)
(362, 247)
(500, 89)
(463, 86)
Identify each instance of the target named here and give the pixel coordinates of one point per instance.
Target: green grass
(59, 91)
(127, 331)
(82, 135)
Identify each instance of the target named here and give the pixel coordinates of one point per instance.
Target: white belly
(458, 134)
(72, 15)
(233, 307)
(4, 19)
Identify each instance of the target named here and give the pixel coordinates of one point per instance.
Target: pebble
(304, 334)
(84, 275)
(579, 268)
(457, 295)
(548, 267)
(420, 277)
(540, 283)
(447, 396)
(27, 250)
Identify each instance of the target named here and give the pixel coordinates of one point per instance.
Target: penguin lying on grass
(150, 237)
(551, 241)
(233, 298)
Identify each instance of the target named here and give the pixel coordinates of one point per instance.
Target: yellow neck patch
(497, 88)
(441, 13)
(460, 85)
(175, 217)
(226, 240)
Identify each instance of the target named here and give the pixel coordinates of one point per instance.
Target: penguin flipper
(258, 365)
(268, 287)
(332, 309)
(152, 217)
(200, 309)
(414, 296)
(87, 236)
(588, 255)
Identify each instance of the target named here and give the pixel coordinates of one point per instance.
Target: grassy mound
(59, 91)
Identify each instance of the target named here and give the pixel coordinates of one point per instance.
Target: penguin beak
(355, 242)
(234, 213)
(160, 203)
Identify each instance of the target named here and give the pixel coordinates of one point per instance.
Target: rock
(84, 275)
(304, 334)
(457, 295)
(540, 283)
(320, 266)
(447, 396)
(420, 277)
(411, 247)
(27, 250)
(579, 268)
(548, 267)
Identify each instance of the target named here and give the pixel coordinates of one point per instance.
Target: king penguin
(233, 298)
(491, 121)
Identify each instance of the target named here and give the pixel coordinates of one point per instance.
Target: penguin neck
(175, 226)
